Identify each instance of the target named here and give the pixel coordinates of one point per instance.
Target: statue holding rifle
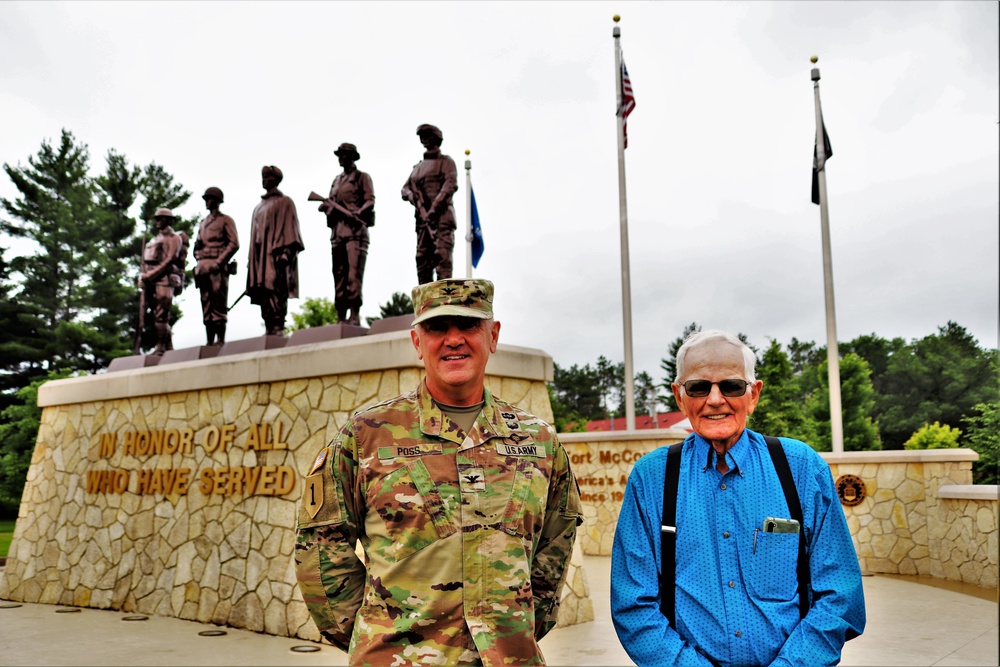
(162, 276)
(350, 211)
(429, 188)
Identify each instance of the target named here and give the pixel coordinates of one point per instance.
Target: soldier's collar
(431, 154)
(271, 193)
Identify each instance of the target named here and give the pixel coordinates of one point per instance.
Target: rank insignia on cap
(318, 463)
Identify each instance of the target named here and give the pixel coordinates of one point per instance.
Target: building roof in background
(663, 420)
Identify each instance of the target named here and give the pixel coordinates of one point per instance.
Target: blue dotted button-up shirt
(736, 588)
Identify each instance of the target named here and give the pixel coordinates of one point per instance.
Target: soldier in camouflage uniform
(429, 188)
(465, 506)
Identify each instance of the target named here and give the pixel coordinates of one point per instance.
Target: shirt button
(723, 487)
(726, 534)
(739, 633)
(732, 584)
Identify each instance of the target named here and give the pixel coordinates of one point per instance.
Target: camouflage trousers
(434, 249)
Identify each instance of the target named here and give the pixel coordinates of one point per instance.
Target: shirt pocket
(773, 564)
(411, 510)
(528, 495)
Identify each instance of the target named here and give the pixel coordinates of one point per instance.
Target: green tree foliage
(940, 377)
(565, 419)
(56, 212)
(934, 436)
(982, 433)
(611, 383)
(646, 397)
(577, 394)
(669, 367)
(804, 354)
(781, 409)
(314, 313)
(18, 430)
(78, 280)
(857, 401)
(399, 303)
(21, 341)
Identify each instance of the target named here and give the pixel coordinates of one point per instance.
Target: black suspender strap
(781, 467)
(668, 533)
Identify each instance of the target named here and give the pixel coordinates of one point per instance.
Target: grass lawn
(6, 535)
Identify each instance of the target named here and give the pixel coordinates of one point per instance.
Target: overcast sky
(721, 227)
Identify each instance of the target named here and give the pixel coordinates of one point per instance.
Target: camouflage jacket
(467, 537)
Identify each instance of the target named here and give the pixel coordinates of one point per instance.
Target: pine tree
(781, 410)
(857, 402)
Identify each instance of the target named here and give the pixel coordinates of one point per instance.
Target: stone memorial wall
(173, 489)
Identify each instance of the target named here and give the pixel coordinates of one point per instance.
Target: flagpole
(623, 209)
(832, 353)
(468, 215)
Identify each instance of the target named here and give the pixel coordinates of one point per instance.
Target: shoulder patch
(320, 460)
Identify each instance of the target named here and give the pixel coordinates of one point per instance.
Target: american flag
(628, 101)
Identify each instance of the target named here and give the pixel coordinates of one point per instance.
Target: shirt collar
(489, 424)
(737, 453)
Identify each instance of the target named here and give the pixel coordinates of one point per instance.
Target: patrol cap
(454, 296)
(427, 127)
(164, 213)
(348, 149)
(213, 192)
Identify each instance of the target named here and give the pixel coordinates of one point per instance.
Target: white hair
(701, 338)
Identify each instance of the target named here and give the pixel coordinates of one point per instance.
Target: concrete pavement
(909, 624)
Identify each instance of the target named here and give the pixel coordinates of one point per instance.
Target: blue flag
(477, 232)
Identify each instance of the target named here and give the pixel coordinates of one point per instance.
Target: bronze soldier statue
(350, 211)
(162, 276)
(213, 249)
(275, 242)
(430, 187)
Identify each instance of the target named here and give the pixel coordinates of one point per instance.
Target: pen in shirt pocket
(755, 531)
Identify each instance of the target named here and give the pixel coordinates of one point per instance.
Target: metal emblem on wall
(851, 490)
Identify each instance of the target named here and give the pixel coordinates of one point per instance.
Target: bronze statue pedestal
(386, 324)
(322, 334)
(258, 344)
(190, 354)
(132, 362)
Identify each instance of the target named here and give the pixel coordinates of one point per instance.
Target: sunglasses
(441, 325)
(702, 388)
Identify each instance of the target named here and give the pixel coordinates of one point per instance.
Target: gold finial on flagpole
(616, 18)
(468, 152)
(814, 59)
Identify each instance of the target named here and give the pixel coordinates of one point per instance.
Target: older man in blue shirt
(736, 597)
